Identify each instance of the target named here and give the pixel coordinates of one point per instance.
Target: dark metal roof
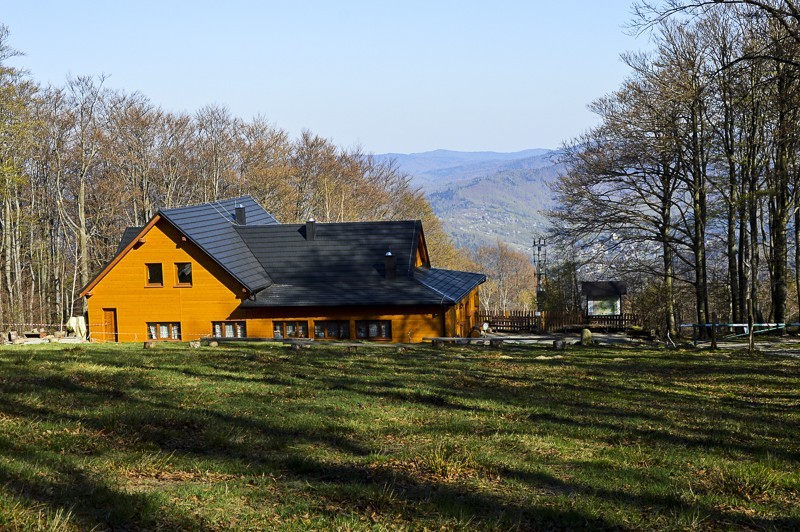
(370, 290)
(353, 250)
(453, 285)
(342, 265)
(604, 289)
(212, 227)
(127, 237)
(346, 293)
(345, 265)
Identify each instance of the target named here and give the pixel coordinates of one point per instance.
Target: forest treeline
(688, 185)
(82, 161)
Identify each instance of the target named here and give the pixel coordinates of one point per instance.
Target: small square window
(155, 277)
(184, 273)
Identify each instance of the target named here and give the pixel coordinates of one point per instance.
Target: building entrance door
(109, 333)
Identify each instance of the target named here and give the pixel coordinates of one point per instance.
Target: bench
(298, 343)
(440, 341)
(352, 347)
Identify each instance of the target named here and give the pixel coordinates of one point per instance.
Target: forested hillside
(83, 160)
(485, 197)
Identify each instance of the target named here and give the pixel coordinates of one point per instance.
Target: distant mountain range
(483, 197)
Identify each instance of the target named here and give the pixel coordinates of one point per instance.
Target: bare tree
(16, 126)
(130, 153)
(214, 160)
(174, 180)
(264, 165)
(623, 175)
(511, 281)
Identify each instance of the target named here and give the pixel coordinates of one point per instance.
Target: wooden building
(228, 269)
(603, 298)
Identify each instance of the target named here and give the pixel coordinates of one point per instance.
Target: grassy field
(263, 437)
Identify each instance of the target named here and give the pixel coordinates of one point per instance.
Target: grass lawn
(257, 436)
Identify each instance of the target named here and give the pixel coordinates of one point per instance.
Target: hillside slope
(483, 197)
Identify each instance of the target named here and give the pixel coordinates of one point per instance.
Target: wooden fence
(513, 321)
(528, 321)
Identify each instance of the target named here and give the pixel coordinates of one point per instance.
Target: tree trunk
(669, 292)
(732, 251)
(797, 257)
(700, 214)
(83, 243)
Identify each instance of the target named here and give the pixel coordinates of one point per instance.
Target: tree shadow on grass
(93, 502)
(277, 441)
(60, 484)
(632, 406)
(651, 502)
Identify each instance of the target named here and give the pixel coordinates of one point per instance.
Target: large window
(163, 331)
(290, 329)
(332, 330)
(229, 329)
(374, 329)
(183, 273)
(155, 276)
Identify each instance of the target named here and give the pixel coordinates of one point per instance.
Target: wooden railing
(528, 321)
(619, 322)
(511, 321)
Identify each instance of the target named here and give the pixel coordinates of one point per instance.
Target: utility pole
(540, 263)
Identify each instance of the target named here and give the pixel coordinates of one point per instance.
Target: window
(155, 277)
(290, 329)
(164, 331)
(374, 329)
(332, 330)
(603, 307)
(229, 329)
(183, 273)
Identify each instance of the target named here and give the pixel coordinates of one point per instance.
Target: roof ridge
(231, 252)
(211, 202)
(350, 222)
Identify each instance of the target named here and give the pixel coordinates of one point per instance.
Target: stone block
(586, 337)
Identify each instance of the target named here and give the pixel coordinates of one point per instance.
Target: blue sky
(391, 77)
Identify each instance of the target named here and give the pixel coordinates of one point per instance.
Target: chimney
(311, 228)
(390, 265)
(241, 216)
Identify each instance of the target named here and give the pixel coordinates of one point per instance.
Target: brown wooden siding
(422, 258)
(216, 296)
(408, 324)
(462, 317)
